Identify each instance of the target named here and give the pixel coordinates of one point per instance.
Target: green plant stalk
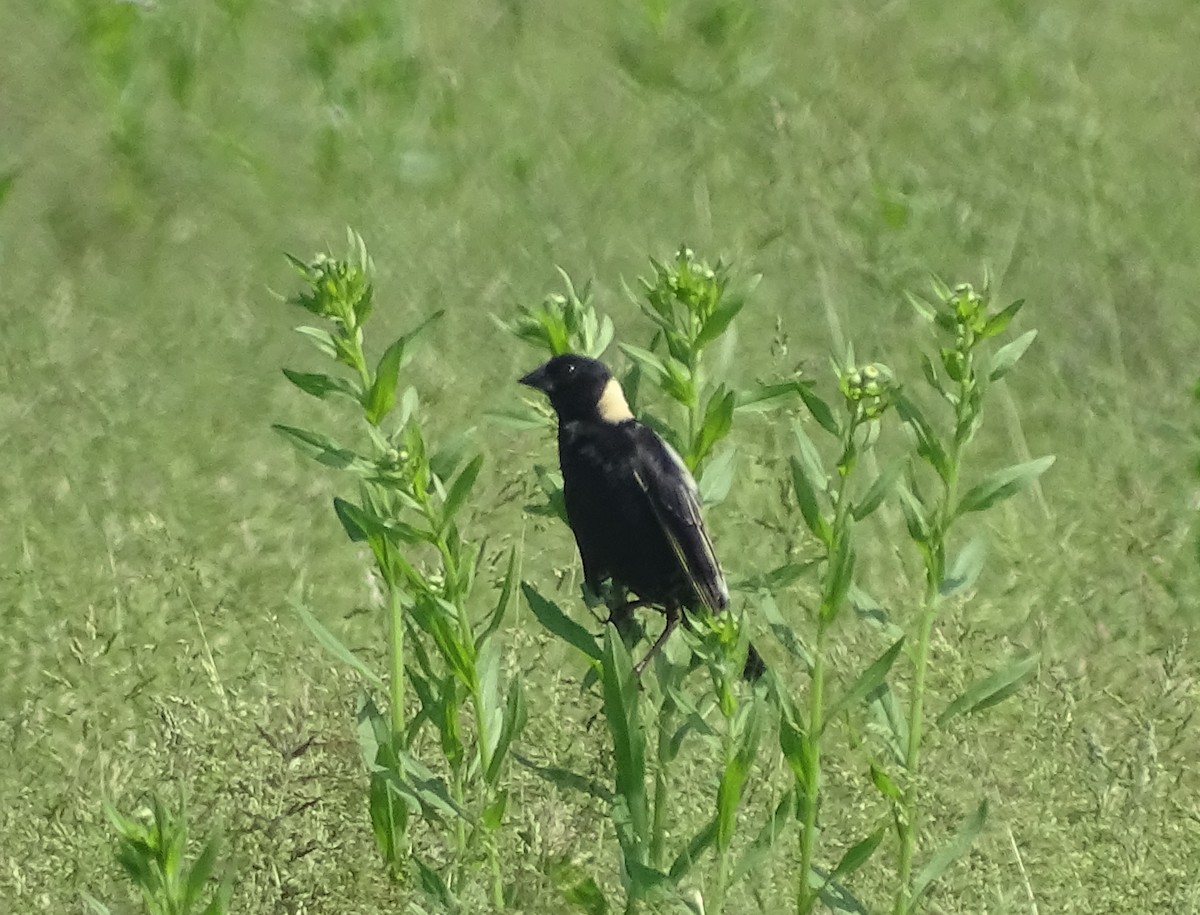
(806, 896)
(460, 826)
(482, 725)
(666, 712)
(935, 569)
(729, 747)
(658, 827)
(396, 680)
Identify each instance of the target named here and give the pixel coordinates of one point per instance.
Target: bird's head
(580, 388)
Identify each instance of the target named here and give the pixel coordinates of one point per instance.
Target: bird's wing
(673, 497)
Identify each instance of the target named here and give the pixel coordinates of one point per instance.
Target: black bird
(631, 502)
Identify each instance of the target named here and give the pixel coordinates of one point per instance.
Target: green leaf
(718, 420)
(389, 813)
(334, 646)
(838, 577)
(493, 813)
(1002, 484)
(775, 579)
(387, 375)
(382, 396)
(321, 386)
(929, 447)
(767, 397)
(868, 681)
(358, 523)
(579, 889)
(719, 320)
(733, 780)
(1007, 356)
(857, 855)
(964, 570)
(761, 846)
(834, 894)
(219, 905)
(814, 468)
(892, 722)
(993, 689)
(884, 784)
(429, 790)
(438, 617)
(513, 722)
(646, 361)
(998, 322)
(558, 623)
(322, 339)
(620, 688)
(806, 499)
(786, 635)
(794, 741)
(920, 306)
(502, 602)
(461, 488)
(879, 490)
(521, 418)
(820, 410)
(914, 515)
(448, 458)
(717, 477)
(325, 451)
(955, 849)
(933, 379)
(701, 842)
(433, 884)
(202, 869)
(647, 880)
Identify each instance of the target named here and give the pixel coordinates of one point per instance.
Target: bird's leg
(672, 622)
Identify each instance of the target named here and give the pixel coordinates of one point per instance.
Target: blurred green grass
(163, 155)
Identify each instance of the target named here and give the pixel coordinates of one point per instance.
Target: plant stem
(912, 757)
(460, 828)
(730, 748)
(497, 875)
(935, 570)
(806, 897)
(396, 684)
(662, 784)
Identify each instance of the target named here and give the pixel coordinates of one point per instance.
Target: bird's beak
(537, 379)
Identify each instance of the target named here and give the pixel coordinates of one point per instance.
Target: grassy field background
(162, 156)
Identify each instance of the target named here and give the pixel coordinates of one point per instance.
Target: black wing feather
(674, 500)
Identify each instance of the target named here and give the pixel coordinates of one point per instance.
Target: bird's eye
(570, 368)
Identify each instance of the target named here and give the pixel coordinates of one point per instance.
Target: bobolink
(631, 502)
